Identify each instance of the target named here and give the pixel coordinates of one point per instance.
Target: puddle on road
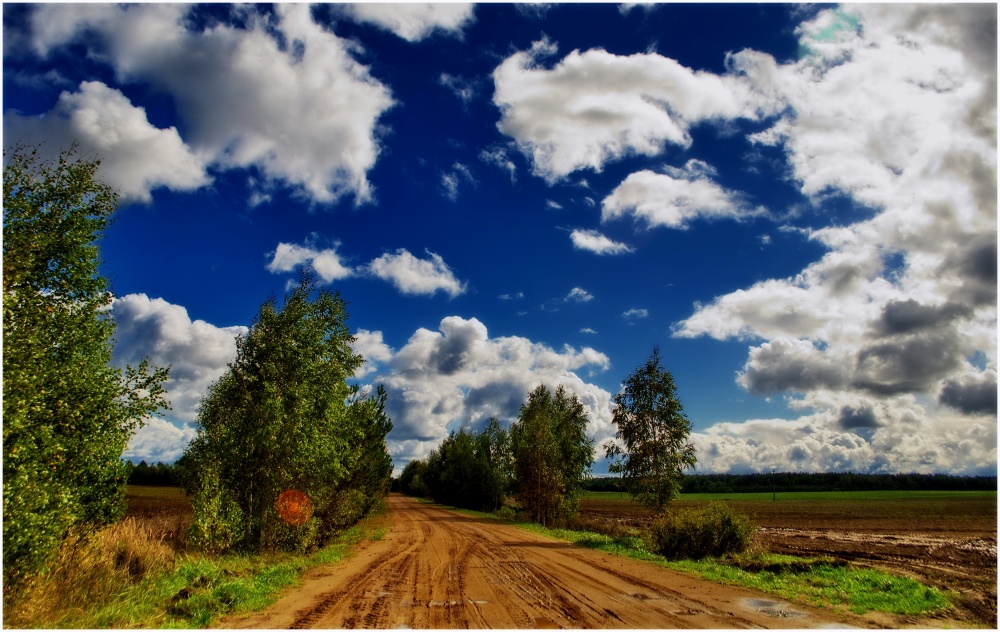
(642, 597)
(773, 608)
(455, 602)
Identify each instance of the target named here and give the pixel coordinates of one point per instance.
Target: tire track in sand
(440, 569)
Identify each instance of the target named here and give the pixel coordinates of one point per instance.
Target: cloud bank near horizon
(889, 339)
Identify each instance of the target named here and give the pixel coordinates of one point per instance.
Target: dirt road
(439, 569)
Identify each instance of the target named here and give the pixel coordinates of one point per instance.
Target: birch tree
(653, 432)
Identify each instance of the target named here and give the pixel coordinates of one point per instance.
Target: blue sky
(796, 203)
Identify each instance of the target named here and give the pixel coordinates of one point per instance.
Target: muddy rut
(439, 569)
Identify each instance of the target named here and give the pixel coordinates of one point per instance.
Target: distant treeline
(161, 474)
(803, 482)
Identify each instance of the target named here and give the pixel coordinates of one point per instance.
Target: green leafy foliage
(493, 449)
(411, 480)
(284, 418)
(544, 459)
(654, 431)
(693, 534)
(552, 454)
(160, 474)
(467, 470)
(67, 413)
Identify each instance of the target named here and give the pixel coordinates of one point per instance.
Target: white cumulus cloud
(459, 376)
(594, 107)
(594, 241)
(635, 313)
(135, 156)
(413, 21)
(197, 353)
(159, 440)
(452, 180)
(579, 295)
(411, 275)
(372, 348)
(888, 341)
(675, 198)
(305, 115)
(498, 157)
(326, 262)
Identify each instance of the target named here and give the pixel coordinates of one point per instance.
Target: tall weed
(709, 532)
(89, 569)
(136, 574)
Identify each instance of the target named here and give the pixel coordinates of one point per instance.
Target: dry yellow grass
(90, 569)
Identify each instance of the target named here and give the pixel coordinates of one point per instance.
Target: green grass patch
(196, 589)
(626, 546)
(820, 582)
(203, 589)
(840, 496)
(810, 496)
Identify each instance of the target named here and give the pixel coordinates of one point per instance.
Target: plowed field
(440, 569)
(945, 540)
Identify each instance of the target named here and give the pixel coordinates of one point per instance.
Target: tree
(411, 480)
(552, 454)
(497, 464)
(576, 449)
(459, 479)
(654, 431)
(535, 450)
(467, 470)
(283, 418)
(369, 464)
(67, 412)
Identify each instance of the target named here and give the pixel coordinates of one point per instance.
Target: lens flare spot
(293, 507)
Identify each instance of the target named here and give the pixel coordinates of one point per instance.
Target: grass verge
(819, 582)
(192, 590)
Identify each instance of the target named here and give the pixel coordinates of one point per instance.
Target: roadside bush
(217, 518)
(693, 534)
(506, 513)
(346, 507)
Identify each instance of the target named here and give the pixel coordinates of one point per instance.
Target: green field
(811, 496)
(151, 491)
(955, 513)
(839, 496)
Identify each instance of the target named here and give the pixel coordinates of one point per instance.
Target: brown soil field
(437, 568)
(166, 510)
(948, 542)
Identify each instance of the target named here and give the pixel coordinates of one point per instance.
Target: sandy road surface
(439, 569)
